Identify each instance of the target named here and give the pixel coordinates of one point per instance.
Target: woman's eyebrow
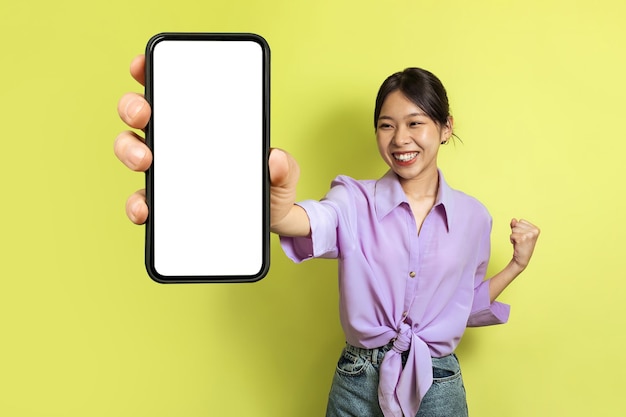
(415, 114)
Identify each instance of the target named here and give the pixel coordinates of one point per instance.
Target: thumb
(513, 224)
(283, 169)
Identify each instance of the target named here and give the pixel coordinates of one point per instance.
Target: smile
(405, 157)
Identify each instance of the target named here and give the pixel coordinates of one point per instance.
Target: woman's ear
(447, 130)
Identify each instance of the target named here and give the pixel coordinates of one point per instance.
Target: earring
(445, 142)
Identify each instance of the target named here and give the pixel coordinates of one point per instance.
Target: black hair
(421, 87)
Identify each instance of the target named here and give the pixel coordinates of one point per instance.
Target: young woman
(412, 253)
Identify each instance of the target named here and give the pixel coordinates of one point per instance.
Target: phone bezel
(149, 236)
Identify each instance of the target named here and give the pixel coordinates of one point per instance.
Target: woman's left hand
(524, 236)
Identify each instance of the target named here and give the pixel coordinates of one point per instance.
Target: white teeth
(405, 156)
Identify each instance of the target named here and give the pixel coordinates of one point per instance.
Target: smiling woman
(406, 294)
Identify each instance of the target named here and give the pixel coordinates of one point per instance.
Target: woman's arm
(523, 237)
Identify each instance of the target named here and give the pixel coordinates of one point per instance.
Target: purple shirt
(418, 291)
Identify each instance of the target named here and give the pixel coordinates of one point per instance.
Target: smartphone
(208, 187)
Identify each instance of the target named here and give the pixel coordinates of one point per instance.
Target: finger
(524, 236)
(526, 227)
(517, 238)
(132, 151)
(137, 69)
(284, 171)
(136, 207)
(525, 223)
(528, 224)
(134, 110)
(522, 224)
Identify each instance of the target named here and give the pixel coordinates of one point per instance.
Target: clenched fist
(523, 237)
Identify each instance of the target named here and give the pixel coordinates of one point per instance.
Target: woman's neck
(424, 186)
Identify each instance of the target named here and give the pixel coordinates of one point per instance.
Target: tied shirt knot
(401, 388)
(402, 341)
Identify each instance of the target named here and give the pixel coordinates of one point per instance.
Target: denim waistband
(374, 356)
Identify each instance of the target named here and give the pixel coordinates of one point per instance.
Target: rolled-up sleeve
(484, 312)
(322, 242)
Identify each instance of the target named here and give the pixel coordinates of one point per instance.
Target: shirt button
(405, 314)
(412, 274)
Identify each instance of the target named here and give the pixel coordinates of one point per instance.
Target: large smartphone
(208, 187)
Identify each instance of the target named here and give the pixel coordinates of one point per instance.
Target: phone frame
(264, 175)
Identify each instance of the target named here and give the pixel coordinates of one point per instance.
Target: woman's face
(408, 140)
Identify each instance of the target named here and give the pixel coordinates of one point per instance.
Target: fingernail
(134, 107)
(136, 155)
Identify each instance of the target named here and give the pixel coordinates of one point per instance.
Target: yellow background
(537, 89)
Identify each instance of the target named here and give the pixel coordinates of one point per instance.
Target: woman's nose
(401, 136)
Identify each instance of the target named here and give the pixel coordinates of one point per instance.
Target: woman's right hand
(131, 149)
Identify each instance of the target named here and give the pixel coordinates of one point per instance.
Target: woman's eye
(414, 124)
(384, 126)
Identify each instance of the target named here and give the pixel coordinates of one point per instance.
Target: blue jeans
(354, 391)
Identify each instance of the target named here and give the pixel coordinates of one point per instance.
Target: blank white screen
(208, 149)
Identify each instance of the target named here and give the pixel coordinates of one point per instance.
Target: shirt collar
(389, 195)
